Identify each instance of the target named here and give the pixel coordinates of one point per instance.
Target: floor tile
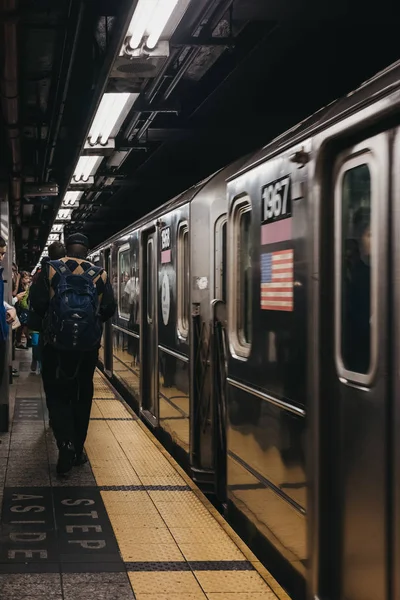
(98, 586)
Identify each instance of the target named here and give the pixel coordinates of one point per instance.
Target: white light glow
(71, 198)
(64, 214)
(149, 18)
(54, 237)
(57, 228)
(87, 166)
(108, 113)
(159, 21)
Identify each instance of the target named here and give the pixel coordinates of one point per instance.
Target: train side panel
(269, 241)
(173, 254)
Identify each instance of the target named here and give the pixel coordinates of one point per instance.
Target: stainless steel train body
(265, 341)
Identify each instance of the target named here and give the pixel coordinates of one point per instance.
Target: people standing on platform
(7, 314)
(23, 309)
(15, 283)
(76, 298)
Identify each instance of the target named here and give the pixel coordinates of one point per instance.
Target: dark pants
(45, 372)
(68, 383)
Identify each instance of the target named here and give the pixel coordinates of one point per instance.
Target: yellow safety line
(248, 554)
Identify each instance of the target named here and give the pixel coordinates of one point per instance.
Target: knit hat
(78, 238)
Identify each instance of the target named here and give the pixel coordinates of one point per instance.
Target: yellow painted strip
(166, 525)
(180, 583)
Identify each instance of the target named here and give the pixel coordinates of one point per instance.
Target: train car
(264, 342)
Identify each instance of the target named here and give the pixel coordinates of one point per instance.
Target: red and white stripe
(278, 294)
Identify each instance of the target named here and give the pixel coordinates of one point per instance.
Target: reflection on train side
(126, 359)
(266, 468)
(174, 397)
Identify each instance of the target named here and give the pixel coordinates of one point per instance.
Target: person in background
(35, 322)
(23, 309)
(15, 284)
(7, 314)
(70, 372)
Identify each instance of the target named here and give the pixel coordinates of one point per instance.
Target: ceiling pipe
(126, 9)
(62, 84)
(9, 98)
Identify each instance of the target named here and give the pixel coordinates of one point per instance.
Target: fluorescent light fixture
(57, 228)
(159, 21)
(71, 198)
(149, 18)
(64, 214)
(109, 113)
(87, 166)
(54, 237)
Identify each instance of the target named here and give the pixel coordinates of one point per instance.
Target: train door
(354, 386)
(149, 383)
(395, 412)
(107, 332)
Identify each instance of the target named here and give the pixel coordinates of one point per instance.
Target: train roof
(217, 178)
(368, 92)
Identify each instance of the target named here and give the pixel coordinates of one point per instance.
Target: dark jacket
(3, 321)
(42, 289)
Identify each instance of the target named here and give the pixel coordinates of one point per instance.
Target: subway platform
(131, 524)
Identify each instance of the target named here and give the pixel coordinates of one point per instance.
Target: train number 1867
(276, 200)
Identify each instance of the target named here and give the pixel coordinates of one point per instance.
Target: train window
(241, 307)
(124, 270)
(150, 280)
(183, 278)
(220, 243)
(354, 269)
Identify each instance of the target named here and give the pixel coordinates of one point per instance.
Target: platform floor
(129, 525)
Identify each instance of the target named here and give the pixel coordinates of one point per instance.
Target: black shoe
(15, 373)
(66, 457)
(80, 459)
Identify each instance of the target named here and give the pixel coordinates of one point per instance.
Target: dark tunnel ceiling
(281, 66)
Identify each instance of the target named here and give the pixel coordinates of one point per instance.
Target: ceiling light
(64, 214)
(159, 21)
(71, 198)
(110, 111)
(87, 166)
(54, 237)
(57, 228)
(149, 18)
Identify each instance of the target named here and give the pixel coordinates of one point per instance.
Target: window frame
(150, 280)
(219, 274)
(182, 320)
(347, 162)
(121, 249)
(241, 205)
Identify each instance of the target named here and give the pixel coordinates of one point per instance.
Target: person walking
(74, 298)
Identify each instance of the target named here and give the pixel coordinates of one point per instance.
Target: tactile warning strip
(172, 540)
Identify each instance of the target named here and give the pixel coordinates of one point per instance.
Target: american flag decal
(277, 280)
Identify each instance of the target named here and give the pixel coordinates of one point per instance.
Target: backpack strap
(93, 272)
(60, 268)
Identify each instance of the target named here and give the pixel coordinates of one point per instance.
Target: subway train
(257, 336)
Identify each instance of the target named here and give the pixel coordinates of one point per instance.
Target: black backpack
(73, 321)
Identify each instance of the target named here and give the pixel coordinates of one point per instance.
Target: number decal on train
(276, 200)
(165, 238)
